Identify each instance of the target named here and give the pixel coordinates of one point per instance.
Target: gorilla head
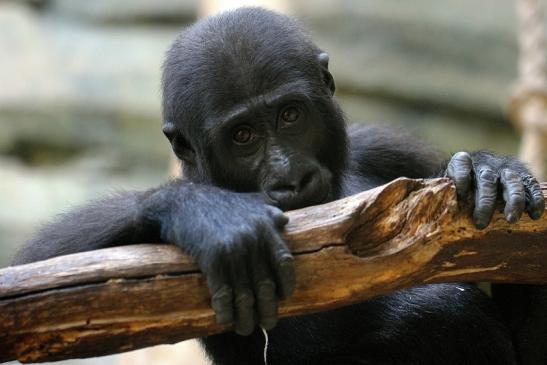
(248, 105)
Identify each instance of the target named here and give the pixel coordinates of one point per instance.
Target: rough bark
(119, 299)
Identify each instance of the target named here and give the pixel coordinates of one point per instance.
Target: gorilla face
(272, 144)
(255, 116)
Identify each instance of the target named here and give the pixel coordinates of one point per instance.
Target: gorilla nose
(290, 188)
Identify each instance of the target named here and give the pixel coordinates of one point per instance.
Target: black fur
(248, 107)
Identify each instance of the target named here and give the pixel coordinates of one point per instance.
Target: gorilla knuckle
(285, 258)
(461, 161)
(486, 202)
(462, 156)
(223, 296)
(517, 198)
(487, 176)
(245, 299)
(246, 237)
(510, 175)
(275, 211)
(265, 288)
(230, 255)
(530, 181)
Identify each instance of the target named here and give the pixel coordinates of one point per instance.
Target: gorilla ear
(169, 130)
(180, 145)
(323, 59)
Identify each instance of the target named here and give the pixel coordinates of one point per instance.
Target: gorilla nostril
(281, 195)
(306, 180)
(285, 188)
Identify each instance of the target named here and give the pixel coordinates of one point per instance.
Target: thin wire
(266, 342)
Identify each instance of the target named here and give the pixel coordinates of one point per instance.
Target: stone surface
(55, 63)
(460, 54)
(106, 11)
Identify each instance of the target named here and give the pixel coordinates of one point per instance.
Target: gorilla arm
(234, 238)
(383, 154)
(112, 221)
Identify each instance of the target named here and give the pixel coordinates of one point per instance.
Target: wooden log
(405, 233)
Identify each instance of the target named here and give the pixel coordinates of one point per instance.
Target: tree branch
(405, 233)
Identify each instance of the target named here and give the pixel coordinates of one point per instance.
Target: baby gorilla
(248, 108)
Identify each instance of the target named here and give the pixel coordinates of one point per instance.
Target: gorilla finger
(245, 314)
(535, 202)
(460, 170)
(486, 191)
(264, 288)
(267, 304)
(243, 299)
(283, 266)
(513, 194)
(280, 219)
(221, 292)
(222, 303)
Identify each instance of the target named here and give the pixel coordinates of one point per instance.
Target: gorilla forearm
(121, 219)
(389, 153)
(108, 222)
(381, 154)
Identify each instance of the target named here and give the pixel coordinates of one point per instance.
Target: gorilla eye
(243, 135)
(290, 115)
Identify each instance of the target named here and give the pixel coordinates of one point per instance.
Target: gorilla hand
(486, 175)
(235, 239)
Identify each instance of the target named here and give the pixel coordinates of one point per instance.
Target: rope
(532, 44)
(529, 104)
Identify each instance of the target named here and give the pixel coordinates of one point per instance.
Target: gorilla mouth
(316, 190)
(302, 202)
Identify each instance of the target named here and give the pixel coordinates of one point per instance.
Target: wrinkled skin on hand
(483, 177)
(235, 239)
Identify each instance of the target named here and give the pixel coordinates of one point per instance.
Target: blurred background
(80, 89)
